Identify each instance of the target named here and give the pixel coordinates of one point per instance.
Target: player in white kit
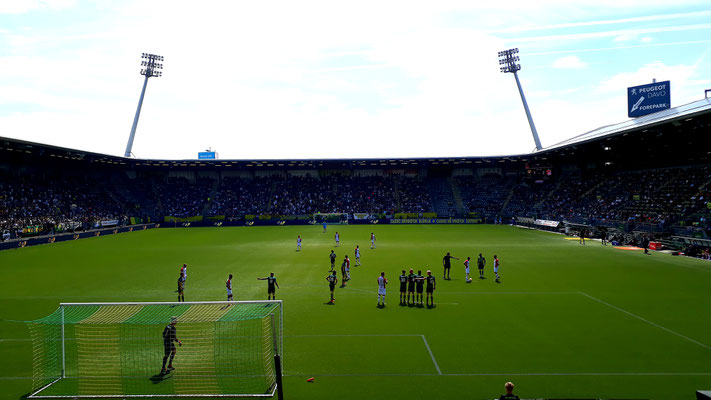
(357, 256)
(338, 239)
(348, 268)
(382, 281)
(466, 269)
(184, 273)
(372, 240)
(298, 243)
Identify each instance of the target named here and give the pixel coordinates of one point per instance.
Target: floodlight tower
(151, 68)
(509, 62)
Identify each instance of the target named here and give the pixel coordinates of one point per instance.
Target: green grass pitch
(565, 321)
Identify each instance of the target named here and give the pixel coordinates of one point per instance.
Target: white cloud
(23, 6)
(626, 37)
(684, 88)
(569, 62)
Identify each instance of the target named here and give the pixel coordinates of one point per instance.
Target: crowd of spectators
(660, 198)
(34, 205)
(181, 198)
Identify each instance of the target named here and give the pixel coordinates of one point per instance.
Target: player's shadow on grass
(158, 378)
(24, 396)
(329, 303)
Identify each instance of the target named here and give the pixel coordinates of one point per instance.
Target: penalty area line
(647, 321)
(424, 339)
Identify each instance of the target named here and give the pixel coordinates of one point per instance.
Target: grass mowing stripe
(431, 355)
(9, 378)
(647, 321)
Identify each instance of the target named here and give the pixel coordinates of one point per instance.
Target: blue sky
(325, 79)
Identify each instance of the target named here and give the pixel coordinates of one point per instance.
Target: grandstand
(649, 174)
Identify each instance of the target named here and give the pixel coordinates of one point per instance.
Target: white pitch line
(527, 374)
(647, 321)
(522, 293)
(431, 355)
(348, 335)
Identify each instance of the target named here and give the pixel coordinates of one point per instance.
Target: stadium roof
(682, 112)
(673, 116)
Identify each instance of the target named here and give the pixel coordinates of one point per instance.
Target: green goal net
(118, 349)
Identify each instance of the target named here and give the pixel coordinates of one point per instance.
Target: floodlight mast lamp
(509, 62)
(151, 66)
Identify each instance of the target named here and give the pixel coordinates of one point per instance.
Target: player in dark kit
(447, 263)
(419, 288)
(430, 288)
(403, 287)
(480, 263)
(271, 283)
(181, 287)
(343, 273)
(169, 339)
(332, 280)
(332, 256)
(411, 287)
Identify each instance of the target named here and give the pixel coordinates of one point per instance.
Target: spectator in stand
(509, 386)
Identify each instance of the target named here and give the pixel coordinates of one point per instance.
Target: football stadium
(578, 270)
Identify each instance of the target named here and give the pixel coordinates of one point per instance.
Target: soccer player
(481, 262)
(403, 287)
(298, 243)
(430, 289)
(466, 270)
(496, 268)
(181, 286)
(271, 283)
(582, 236)
(338, 239)
(324, 226)
(169, 338)
(372, 240)
(348, 268)
(411, 287)
(184, 273)
(357, 256)
(228, 284)
(447, 263)
(419, 288)
(603, 236)
(343, 273)
(332, 256)
(382, 281)
(332, 280)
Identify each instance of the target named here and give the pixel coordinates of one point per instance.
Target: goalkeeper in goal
(169, 339)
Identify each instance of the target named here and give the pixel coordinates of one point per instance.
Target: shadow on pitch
(158, 378)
